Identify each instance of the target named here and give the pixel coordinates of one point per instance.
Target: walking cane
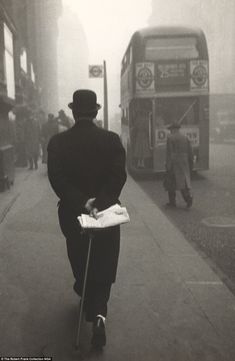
(90, 235)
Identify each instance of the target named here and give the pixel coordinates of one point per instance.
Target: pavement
(9, 196)
(166, 305)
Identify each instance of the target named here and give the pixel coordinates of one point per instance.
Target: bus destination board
(174, 73)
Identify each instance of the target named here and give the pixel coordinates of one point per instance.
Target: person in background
(48, 129)
(86, 169)
(179, 165)
(42, 122)
(21, 112)
(32, 139)
(63, 121)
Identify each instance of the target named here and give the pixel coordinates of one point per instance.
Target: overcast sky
(108, 26)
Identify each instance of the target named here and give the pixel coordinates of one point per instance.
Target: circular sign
(95, 70)
(199, 75)
(144, 77)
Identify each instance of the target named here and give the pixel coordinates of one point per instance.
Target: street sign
(96, 71)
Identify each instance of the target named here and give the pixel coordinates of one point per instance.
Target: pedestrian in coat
(22, 113)
(86, 168)
(32, 140)
(48, 129)
(63, 121)
(179, 165)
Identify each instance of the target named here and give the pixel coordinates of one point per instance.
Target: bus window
(171, 48)
(182, 110)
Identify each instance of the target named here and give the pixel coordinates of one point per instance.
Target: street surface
(210, 224)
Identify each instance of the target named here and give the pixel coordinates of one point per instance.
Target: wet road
(210, 224)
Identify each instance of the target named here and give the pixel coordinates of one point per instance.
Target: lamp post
(99, 71)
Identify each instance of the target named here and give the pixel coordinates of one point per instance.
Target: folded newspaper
(109, 217)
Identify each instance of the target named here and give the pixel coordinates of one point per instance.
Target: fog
(104, 28)
(93, 31)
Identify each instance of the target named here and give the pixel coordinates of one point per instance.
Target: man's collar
(84, 122)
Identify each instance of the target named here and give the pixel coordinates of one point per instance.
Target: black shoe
(99, 337)
(171, 204)
(190, 202)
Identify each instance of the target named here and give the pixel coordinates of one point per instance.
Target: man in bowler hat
(179, 165)
(86, 169)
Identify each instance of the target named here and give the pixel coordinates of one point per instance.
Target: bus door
(142, 134)
(160, 135)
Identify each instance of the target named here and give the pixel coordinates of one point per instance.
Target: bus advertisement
(164, 78)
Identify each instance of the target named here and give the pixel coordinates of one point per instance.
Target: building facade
(28, 57)
(28, 74)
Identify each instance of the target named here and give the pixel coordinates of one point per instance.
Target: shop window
(23, 61)
(9, 62)
(32, 74)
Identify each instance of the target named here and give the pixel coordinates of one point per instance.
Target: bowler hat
(84, 101)
(174, 125)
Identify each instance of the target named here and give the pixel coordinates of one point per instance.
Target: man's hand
(89, 207)
(89, 204)
(93, 213)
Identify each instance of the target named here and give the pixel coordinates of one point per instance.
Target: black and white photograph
(117, 168)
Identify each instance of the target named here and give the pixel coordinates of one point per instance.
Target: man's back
(178, 143)
(91, 159)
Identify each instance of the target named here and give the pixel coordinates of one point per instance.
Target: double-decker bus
(164, 78)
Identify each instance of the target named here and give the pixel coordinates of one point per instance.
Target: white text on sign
(191, 133)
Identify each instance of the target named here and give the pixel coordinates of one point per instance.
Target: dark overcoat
(32, 137)
(179, 159)
(88, 162)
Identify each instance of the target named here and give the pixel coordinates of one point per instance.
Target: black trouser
(33, 160)
(103, 261)
(96, 297)
(186, 194)
(97, 292)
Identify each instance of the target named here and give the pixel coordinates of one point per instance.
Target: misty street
(210, 224)
(124, 108)
(40, 307)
